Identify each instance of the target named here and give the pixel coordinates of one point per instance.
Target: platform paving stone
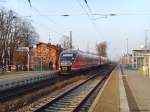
(23, 74)
(109, 99)
(137, 88)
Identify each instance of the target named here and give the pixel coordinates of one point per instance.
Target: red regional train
(73, 60)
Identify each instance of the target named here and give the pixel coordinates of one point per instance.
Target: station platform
(17, 80)
(22, 74)
(124, 91)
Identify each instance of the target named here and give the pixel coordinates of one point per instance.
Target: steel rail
(101, 82)
(74, 109)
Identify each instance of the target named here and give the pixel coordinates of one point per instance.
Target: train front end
(66, 61)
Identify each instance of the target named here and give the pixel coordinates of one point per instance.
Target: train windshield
(66, 57)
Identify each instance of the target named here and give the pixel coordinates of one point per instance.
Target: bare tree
(14, 32)
(102, 48)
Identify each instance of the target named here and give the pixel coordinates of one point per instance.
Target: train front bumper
(65, 68)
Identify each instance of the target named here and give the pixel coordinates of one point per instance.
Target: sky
(89, 26)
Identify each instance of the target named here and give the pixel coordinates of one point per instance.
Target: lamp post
(146, 32)
(28, 60)
(127, 62)
(41, 63)
(127, 45)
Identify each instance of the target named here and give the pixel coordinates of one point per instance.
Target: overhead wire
(132, 14)
(63, 15)
(90, 10)
(88, 13)
(89, 17)
(49, 19)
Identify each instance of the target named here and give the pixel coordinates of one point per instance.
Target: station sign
(29, 52)
(19, 49)
(22, 48)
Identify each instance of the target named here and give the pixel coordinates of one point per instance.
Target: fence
(33, 67)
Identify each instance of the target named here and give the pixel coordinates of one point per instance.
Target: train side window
(1, 86)
(13, 83)
(7, 84)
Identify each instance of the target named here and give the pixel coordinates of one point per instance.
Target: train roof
(82, 52)
(70, 51)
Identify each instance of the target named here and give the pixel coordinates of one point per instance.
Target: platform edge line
(124, 106)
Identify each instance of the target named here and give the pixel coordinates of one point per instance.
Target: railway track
(28, 87)
(24, 100)
(72, 99)
(34, 103)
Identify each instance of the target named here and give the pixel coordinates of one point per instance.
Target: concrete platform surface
(15, 80)
(125, 91)
(108, 99)
(23, 74)
(137, 88)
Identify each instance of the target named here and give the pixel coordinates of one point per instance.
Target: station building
(43, 55)
(46, 54)
(138, 57)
